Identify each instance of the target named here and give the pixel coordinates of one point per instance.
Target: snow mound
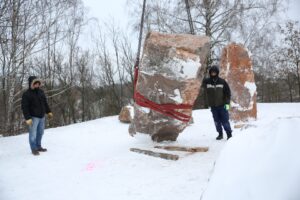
(259, 165)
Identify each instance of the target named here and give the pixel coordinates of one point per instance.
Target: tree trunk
(290, 88)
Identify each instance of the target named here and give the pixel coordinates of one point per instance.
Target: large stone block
(236, 68)
(171, 71)
(126, 114)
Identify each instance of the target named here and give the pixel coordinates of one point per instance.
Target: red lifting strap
(168, 109)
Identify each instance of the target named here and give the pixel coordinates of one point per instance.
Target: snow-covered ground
(92, 160)
(263, 162)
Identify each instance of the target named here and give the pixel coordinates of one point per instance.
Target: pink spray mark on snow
(91, 166)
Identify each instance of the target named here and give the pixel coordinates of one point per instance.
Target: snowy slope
(263, 162)
(92, 160)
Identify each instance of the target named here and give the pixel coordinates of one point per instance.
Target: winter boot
(41, 149)
(229, 135)
(220, 136)
(35, 152)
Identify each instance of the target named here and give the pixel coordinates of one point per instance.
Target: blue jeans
(221, 118)
(36, 131)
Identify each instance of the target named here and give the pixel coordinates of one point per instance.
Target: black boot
(220, 136)
(35, 152)
(229, 135)
(41, 149)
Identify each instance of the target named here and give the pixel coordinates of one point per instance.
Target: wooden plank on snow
(166, 156)
(182, 148)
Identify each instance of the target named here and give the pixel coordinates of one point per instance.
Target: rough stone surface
(236, 68)
(171, 71)
(191, 121)
(126, 114)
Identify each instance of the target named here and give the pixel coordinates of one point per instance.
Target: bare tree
(291, 48)
(28, 29)
(218, 19)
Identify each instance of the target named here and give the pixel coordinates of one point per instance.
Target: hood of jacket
(215, 69)
(32, 80)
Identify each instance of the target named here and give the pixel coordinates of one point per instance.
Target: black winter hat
(214, 68)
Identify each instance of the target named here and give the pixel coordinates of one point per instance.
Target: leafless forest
(42, 38)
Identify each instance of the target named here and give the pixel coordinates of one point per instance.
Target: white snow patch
(228, 65)
(144, 109)
(174, 68)
(160, 120)
(131, 111)
(251, 87)
(187, 68)
(241, 108)
(227, 68)
(235, 105)
(250, 54)
(177, 96)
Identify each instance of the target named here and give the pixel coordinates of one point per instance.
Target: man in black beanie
(218, 99)
(34, 107)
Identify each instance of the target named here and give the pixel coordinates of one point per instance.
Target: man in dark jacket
(218, 99)
(35, 106)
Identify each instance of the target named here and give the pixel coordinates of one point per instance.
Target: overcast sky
(294, 10)
(107, 9)
(117, 9)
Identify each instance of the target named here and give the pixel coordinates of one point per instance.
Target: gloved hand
(227, 107)
(29, 122)
(50, 115)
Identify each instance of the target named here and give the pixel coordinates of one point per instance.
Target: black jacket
(34, 102)
(217, 91)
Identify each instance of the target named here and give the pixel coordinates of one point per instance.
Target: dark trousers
(221, 118)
